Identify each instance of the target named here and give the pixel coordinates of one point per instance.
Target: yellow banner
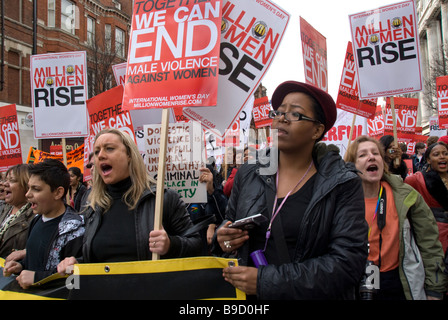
(198, 278)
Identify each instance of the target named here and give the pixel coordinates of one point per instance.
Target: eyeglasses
(290, 116)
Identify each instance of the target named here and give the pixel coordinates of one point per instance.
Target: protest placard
(345, 129)
(119, 73)
(260, 112)
(185, 155)
(105, 111)
(348, 95)
(59, 94)
(314, 52)
(238, 133)
(434, 129)
(140, 117)
(75, 158)
(173, 56)
(375, 126)
(10, 147)
(178, 114)
(442, 101)
(407, 132)
(386, 49)
(246, 115)
(30, 156)
(56, 150)
(411, 140)
(406, 115)
(252, 31)
(231, 136)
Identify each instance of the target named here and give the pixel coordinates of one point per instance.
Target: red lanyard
(275, 213)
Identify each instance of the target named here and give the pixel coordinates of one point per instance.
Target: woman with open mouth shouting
(120, 215)
(17, 214)
(433, 186)
(402, 234)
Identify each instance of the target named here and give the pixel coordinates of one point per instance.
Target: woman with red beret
(314, 238)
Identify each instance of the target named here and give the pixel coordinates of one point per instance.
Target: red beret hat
(325, 101)
(444, 139)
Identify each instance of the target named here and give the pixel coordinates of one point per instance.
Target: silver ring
(227, 244)
(154, 244)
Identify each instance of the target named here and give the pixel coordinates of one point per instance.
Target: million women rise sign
(59, 94)
(386, 49)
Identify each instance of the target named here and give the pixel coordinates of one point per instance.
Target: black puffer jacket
(331, 248)
(176, 222)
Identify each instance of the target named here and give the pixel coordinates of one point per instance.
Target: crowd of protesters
(327, 220)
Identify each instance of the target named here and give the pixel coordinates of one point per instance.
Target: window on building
(13, 10)
(117, 4)
(90, 30)
(68, 16)
(51, 13)
(91, 82)
(108, 37)
(14, 79)
(119, 42)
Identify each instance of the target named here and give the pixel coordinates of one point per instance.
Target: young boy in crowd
(57, 230)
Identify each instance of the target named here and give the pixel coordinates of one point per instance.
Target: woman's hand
(66, 266)
(243, 278)
(231, 239)
(26, 279)
(16, 255)
(210, 233)
(207, 177)
(12, 267)
(159, 242)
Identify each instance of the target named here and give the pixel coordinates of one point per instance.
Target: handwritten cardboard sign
(185, 156)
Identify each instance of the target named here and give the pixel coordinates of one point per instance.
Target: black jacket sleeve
(334, 273)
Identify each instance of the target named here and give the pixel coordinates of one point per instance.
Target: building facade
(99, 27)
(433, 29)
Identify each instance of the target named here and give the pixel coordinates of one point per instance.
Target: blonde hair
(137, 171)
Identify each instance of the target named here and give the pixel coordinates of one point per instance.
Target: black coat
(331, 251)
(176, 221)
(79, 194)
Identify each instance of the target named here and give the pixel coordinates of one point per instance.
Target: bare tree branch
(100, 59)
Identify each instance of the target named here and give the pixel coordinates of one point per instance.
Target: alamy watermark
(73, 280)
